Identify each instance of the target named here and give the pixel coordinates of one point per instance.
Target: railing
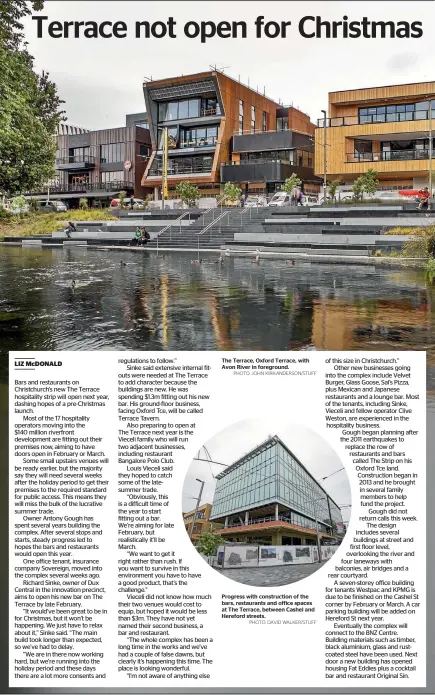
(210, 112)
(85, 187)
(265, 519)
(169, 226)
(374, 118)
(199, 142)
(181, 169)
(212, 223)
(76, 159)
(391, 156)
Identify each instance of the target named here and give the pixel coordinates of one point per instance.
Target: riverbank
(40, 223)
(333, 259)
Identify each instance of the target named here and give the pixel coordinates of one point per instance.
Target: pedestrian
(132, 202)
(70, 228)
(300, 198)
(424, 199)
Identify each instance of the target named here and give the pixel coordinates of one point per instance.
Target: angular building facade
(269, 497)
(203, 113)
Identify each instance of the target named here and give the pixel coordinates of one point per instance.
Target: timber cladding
(371, 95)
(339, 143)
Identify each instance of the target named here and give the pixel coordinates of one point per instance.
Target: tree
(370, 181)
(122, 197)
(30, 107)
(291, 183)
(332, 188)
(83, 204)
(358, 188)
(188, 193)
(20, 204)
(208, 543)
(231, 193)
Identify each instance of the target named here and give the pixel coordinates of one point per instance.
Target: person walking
(424, 199)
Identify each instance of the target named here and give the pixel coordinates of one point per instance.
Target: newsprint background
(256, 655)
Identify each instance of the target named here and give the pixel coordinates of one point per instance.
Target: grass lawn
(48, 222)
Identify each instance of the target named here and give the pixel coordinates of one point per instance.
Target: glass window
(264, 126)
(183, 109)
(194, 107)
(114, 152)
(162, 111)
(172, 112)
(252, 119)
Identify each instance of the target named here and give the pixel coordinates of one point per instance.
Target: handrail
(211, 224)
(171, 224)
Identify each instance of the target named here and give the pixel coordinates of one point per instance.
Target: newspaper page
(217, 330)
(162, 507)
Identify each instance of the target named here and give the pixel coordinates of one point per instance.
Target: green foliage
(83, 204)
(366, 183)
(33, 204)
(430, 270)
(34, 224)
(188, 193)
(208, 543)
(370, 181)
(30, 108)
(378, 253)
(291, 183)
(358, 188)
(122, 197)
(231, 192)
(332, 188)
(421, 244)
(19, 203)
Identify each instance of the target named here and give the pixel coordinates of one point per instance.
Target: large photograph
(233, 204)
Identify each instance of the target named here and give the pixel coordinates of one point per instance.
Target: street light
(324, 157)
(198, 500)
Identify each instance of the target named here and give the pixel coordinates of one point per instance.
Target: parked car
(256, 201)
(19, 211)
(137, 202)
(52, 206)
(280, 199)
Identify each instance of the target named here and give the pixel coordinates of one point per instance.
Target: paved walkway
(271, 576)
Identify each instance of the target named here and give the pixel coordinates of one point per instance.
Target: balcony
(375, 118)
(97, 189)
(199, 142)
(263, 170)
(76, 162)
(311, 527)
(392, 156)
(180, 169)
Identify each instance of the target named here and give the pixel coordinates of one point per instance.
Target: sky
(101, 79)
(235, 441)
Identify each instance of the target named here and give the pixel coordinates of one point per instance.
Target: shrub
(421, 244)
(291, 183)
(83, 204)
(33, 204)
(188, 193)
(378, 253)
(19, 203)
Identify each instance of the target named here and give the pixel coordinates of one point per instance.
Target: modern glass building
(269, 497)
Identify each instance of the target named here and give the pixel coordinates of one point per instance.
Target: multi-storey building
(208, 116)
(200, 521)
(269, 497)
(387, 129)
(99, 164)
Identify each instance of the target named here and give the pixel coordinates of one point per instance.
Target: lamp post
(198, 500)
(324, 157)
(429, 204)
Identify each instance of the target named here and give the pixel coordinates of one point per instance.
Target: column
(276, 512)
(226, 522)
(246, 518)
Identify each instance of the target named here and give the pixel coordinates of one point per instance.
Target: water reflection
(165, 302)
